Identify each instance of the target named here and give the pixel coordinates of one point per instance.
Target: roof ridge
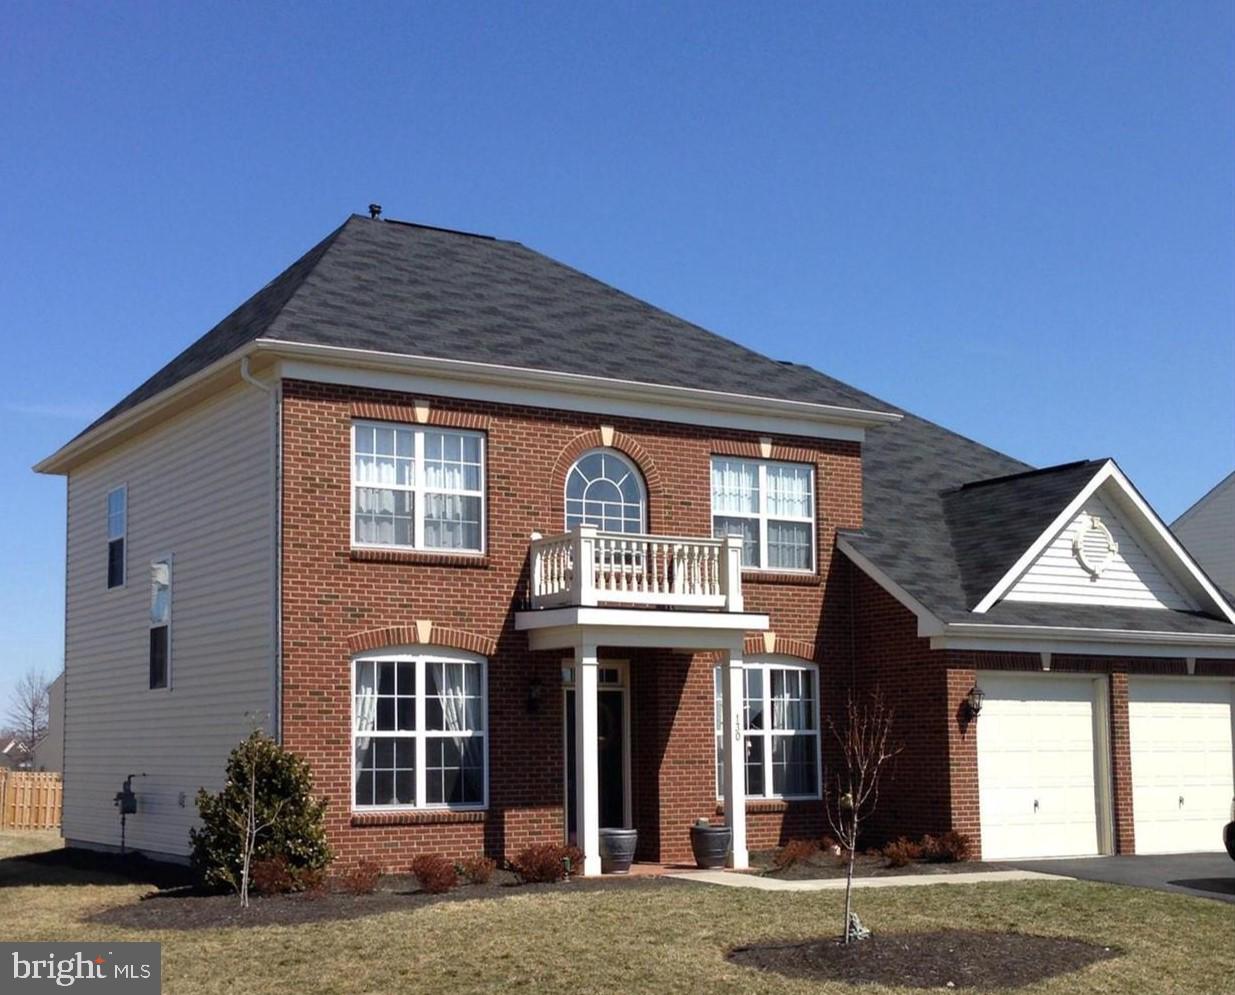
(986, 481)
(419, 224)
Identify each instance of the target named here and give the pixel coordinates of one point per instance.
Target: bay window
(417, 488)
(771, 506)
(418, 730)
(780, 729)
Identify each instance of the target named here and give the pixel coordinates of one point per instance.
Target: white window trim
(418, 489)
(766, 664)
(419, 656)
(169, 559)
(630, 465)
(762, 516)
(124, 534)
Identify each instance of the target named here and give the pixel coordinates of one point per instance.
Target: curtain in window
(735, 487)
(789, 491)
(366, 714)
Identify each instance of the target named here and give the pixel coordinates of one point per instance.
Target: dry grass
(655, 940)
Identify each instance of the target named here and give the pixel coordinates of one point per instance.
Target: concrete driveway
(1206, 875)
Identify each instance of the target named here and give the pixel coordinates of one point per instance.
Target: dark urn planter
(617, 850)
(710, 845)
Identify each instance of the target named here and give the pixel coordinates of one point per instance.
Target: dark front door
(611, 758)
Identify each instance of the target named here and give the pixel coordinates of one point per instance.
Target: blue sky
(1015, 219)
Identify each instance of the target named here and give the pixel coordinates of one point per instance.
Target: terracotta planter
(710, 845)
(617, 850)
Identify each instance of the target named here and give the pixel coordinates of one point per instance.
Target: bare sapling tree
(249, 827)
(864, 741)
(28, 710)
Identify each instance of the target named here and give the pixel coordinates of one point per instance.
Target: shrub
(293, 820)
(477, 870)
(435, 874)
(271, 876)
(361, 878)
(545, 862)
(902, 852)
(946, 848)
(794, 852)
(312, 881)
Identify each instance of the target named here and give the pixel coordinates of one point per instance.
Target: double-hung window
(780, 729)
(771, 506)
(417, 488)
(161, 622)
(418, 731)
(117, 527)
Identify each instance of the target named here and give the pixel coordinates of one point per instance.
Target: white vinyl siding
(1133, 578)
(771, 506)
(417, 488)
(200, 486)
(1207, 530)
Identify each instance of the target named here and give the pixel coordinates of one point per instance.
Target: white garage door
(1182, 780)
(1036, 767)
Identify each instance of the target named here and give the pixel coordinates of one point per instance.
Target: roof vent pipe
(375, 211)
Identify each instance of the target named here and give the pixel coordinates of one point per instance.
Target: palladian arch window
(605, 489)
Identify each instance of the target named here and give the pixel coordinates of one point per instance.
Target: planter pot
(617, 850)
(710, 845)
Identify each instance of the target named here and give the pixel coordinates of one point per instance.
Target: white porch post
(731, 567)
(732, 692)
(587, 771)
(584, 593)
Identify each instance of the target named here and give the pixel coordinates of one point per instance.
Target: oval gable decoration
(1094, 546)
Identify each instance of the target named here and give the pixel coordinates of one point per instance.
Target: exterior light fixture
(973, 701)
(535, 691)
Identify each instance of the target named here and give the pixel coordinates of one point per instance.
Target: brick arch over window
(421, 633)
(770, 642)
(628, 447)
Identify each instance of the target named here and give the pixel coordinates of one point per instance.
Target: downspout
(276, 532)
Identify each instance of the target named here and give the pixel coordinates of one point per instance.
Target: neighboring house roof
(414, 290)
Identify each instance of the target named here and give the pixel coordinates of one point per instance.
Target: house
(13, 754)
(1207, 529)
(509, 556)
(49, 754)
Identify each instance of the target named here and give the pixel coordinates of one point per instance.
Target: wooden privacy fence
(30, 799)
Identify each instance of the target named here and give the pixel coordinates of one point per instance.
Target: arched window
(605, 489)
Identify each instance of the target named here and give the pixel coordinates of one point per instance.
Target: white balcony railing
(622, 568)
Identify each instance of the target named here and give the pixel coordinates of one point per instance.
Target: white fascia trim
(1108, 472)
(1082, 641)
(928, 623)
(570, 391)
(55, 463)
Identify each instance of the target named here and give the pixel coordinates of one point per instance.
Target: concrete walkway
(737, 879)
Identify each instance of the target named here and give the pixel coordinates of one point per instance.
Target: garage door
(1036, 767)
(1182, 779)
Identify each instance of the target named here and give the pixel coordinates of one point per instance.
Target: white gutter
(1056, 632)
(580, 383)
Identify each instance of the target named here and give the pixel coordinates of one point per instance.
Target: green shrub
(293, 819)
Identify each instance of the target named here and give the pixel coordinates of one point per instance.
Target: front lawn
(628, 938)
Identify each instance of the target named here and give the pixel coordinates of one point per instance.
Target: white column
(732, 690)
(587, 770)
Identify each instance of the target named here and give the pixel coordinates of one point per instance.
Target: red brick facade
(337, 601)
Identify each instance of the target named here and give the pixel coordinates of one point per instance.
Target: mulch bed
(185, 909)
(947, 958)
(827, 865)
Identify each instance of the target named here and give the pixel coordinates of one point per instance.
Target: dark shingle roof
(415, 290)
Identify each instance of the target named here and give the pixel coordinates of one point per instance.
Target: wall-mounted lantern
(973, 702)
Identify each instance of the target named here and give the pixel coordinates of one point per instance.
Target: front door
(613, 758)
